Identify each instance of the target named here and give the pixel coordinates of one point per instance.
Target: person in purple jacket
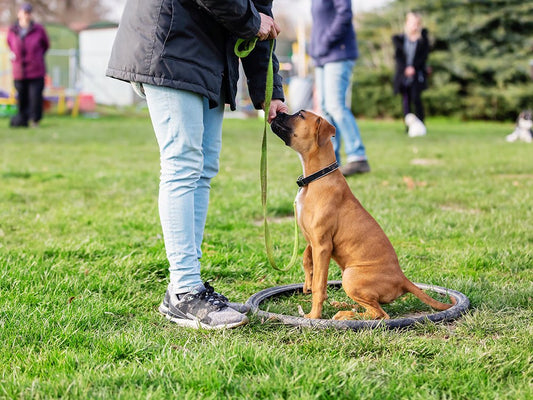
(333, 48)
(28, 42)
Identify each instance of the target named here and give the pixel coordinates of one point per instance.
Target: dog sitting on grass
(524, 128)
(336, 226)
(415, 127)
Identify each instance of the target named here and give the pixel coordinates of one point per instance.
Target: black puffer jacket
(188, 45)
(419, 62)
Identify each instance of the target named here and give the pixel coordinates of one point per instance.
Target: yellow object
(76, 107)
(8, 101)
(61, 103)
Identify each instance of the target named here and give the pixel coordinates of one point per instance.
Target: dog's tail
(412, 288)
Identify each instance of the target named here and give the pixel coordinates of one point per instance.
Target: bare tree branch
(65, 12)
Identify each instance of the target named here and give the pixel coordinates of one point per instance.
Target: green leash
(242, 49)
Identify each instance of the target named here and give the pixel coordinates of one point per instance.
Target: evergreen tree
(480, 60)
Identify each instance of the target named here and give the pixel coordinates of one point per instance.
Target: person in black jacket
(179, 55)
(411, 51)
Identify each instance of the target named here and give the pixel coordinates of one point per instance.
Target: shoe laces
(213, 297)
(206, 296)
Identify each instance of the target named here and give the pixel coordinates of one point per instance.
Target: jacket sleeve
(255, 68)
(45, 42)
(422, 52)
(399, 56)
(240, 17)
(256, 65)
(10, 40)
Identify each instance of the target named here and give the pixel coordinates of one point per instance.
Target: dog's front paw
(301, 312)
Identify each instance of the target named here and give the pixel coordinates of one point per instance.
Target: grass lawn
(83, 268)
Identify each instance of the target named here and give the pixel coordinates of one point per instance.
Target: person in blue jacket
(179, 55)
(333, 48)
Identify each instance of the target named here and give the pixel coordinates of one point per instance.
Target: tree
(480, 58)
(65, 12)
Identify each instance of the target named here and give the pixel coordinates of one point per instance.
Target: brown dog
(337, 226)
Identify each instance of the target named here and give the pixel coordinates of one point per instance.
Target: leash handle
(242, 49)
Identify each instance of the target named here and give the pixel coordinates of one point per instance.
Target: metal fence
(62, 70)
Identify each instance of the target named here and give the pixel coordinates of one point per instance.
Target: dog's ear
(324, 131)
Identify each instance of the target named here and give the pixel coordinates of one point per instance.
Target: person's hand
(409, 71)
(276, 106)
(269, 29)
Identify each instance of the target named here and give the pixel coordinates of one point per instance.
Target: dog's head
(303, 130)
(525, 120)
(411, 119)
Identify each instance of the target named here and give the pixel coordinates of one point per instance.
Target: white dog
(414, 125)
(523, 130)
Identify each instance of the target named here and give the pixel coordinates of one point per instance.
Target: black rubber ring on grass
(462, 304)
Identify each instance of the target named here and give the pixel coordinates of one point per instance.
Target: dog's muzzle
(280, 128)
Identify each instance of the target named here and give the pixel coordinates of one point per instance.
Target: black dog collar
(317, 175)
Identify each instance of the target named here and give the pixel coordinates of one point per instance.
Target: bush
(497, 104)
(444, 100)
(480, 59)
(372, 94)
(373, 97)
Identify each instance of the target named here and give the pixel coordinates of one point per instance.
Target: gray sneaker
(242, 308)
(355, 167)
(200, 308)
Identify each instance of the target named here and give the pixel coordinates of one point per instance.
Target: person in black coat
(411, 50)
(179, 54)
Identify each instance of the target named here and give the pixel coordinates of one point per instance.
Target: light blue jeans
(189, 135)
(333, 84)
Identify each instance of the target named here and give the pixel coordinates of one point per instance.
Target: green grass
(83, 268)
